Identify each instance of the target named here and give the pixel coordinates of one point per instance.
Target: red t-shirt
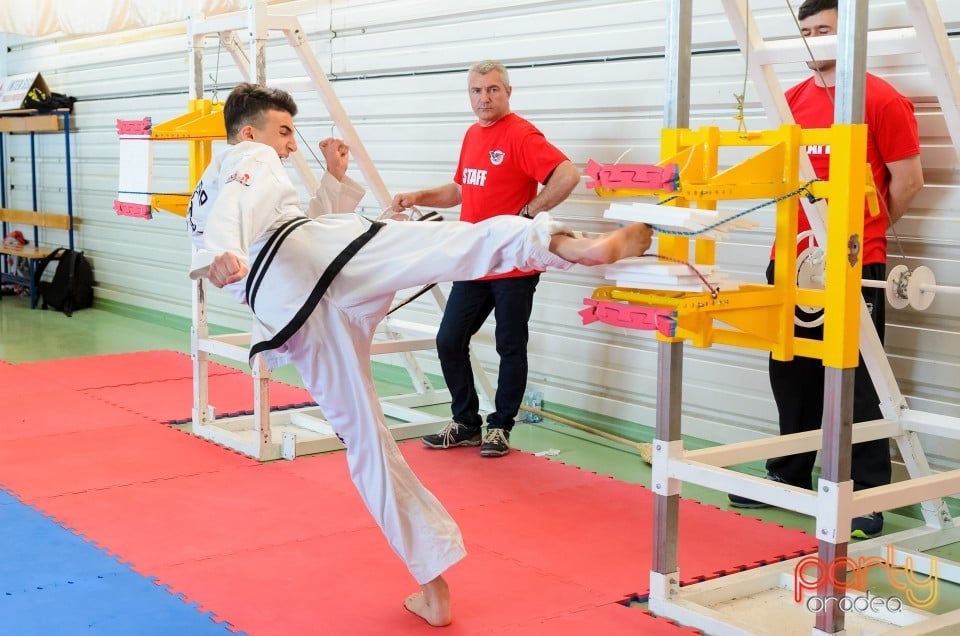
(500, 169)
(891, 136)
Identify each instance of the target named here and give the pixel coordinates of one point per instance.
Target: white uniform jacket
(246, 204)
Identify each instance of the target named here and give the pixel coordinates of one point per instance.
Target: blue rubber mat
(54, 582)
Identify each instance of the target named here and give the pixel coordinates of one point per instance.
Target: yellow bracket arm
(200, 126)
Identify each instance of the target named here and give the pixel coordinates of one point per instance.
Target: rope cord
(713, 290)
(804, 188)
(816, 69)
(893, 228)
(814, 61)
(739, 116)
(215, 78)
(307, 146)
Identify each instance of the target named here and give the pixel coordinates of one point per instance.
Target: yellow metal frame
(762, 316)
(200, 126)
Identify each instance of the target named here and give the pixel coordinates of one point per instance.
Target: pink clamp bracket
(139, 127)
(630, 316)
(637, 176)
(138, 210)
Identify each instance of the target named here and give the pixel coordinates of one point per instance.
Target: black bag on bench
(70, 286)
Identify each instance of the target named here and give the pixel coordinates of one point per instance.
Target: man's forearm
(445, 196)
(906, 180)
(899, 200)
(555, 191)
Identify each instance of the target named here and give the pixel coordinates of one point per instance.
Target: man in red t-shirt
(893, 151)
(503, 160)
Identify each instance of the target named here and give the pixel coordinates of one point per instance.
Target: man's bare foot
(431, 603)
(632, 240)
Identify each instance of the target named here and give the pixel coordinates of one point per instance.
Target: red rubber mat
(287, 548)
(120, 369)
(157, 385)
(20, 384)
(172, 400)
(106, 457)
(574, 507)
(34, 416)
(352, 584)
(613, 618)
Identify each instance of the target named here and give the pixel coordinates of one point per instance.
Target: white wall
(590, 74)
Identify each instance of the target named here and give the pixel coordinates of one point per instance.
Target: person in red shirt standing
(503, 160)
(893, 151)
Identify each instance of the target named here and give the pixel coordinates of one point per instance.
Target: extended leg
(405, 254)
(632, 240)
(332, 354)
(431, 603)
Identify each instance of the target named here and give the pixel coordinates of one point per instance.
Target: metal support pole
(837, 424)
(257, 41)
(33, 174)
(199, 359)
(851, 62)
(3, 192)
(666, 511)
(835, 467)
(195, 48)
(3, 178)
(676, 106)
(666, 507)
(838, 383)
(66, 143)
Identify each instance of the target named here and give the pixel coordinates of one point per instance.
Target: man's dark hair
(248, 102)
(813, 7)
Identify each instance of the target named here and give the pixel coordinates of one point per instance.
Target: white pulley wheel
(918, 298)
(810, 275)
(896, 287)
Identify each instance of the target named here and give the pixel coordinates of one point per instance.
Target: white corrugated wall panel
(590, 75)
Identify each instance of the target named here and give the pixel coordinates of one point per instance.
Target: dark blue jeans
(469, 304)
(798, 390)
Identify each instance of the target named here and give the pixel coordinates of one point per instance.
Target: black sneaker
(867, 526)
(737, 501)
(453, 434)
(496, 443)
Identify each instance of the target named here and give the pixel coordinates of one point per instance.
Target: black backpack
(70, 286)
(45, 102)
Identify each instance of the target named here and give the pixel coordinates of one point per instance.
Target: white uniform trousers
(332, 353)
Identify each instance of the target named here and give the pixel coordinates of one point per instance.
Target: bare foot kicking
(432, 603)
(632, 240)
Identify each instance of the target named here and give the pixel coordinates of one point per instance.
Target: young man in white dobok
(319, 283)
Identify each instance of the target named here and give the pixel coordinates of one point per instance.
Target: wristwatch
(525, 212)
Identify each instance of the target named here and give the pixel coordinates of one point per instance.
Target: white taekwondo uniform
(246, 204)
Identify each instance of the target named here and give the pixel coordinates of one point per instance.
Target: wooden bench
(32, 252)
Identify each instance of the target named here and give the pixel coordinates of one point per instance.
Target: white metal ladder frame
(672, 465)
(289, 433)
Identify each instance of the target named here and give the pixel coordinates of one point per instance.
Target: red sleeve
(539, 158)
(894, 127)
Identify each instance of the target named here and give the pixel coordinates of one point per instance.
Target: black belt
(266, 256)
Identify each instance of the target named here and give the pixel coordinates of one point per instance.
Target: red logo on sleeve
(242, 178)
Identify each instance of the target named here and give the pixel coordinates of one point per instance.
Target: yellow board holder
(762, 316)
(200, 126)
